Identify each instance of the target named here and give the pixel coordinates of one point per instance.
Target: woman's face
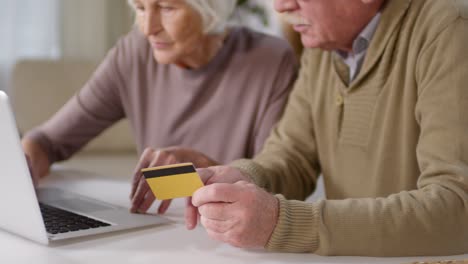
(173, 28)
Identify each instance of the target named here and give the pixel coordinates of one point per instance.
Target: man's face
(318, 21)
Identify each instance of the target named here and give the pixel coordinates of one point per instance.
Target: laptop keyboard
(59, 221)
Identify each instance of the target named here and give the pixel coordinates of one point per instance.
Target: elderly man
(381, 112)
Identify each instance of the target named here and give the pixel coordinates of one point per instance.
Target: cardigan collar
(393, 13)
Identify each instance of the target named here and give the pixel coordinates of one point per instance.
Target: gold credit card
(173, 181)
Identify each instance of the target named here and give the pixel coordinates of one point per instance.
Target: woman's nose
(286, 5)
(151, 23)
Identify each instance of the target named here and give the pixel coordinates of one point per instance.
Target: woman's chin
(164, 58)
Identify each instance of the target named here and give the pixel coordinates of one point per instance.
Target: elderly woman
(182, 78)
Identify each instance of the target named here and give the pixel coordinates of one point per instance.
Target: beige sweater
(392, 147)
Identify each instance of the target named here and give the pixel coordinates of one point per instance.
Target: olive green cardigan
(392, 146)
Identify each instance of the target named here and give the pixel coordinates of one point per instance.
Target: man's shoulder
(428, 19)
(461, 6)
(448, 10)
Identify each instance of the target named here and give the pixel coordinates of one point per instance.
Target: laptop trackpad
(80, 205)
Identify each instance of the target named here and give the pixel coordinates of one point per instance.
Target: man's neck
(355, 58)
(359, 23)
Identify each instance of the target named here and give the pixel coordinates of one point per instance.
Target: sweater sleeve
(284, 79)
(430, 220)
(290, 149)
(93, 109)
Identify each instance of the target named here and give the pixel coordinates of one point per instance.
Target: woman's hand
(141, 195)
(38, 161)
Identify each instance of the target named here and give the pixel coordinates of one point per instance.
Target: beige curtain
(28, 29)
(91, 27)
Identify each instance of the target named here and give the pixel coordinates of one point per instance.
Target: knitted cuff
(252, 170)
(297, 227)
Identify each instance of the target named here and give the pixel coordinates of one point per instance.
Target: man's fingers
(164, 206)
(191, 215)
(217, 211)
(216, 225)
(217, 192)
(205, 174)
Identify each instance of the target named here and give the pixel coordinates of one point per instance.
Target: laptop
(46, 215)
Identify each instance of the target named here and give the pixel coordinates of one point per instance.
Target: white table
(108, 179)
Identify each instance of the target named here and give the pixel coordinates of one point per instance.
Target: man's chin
(309, 43)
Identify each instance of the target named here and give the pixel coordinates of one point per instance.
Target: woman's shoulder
(135, 37)
(246, 40)
(133, 45)
(266, 54)
(264, 60)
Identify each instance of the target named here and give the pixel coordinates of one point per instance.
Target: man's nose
(286, 5)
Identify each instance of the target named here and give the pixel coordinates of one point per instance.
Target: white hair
(215, 13)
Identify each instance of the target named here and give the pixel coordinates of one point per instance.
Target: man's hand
(219, 174)
(141, 195)
(37, 159)
(240, 214)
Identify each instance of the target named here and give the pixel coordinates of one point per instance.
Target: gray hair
(215, 13)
